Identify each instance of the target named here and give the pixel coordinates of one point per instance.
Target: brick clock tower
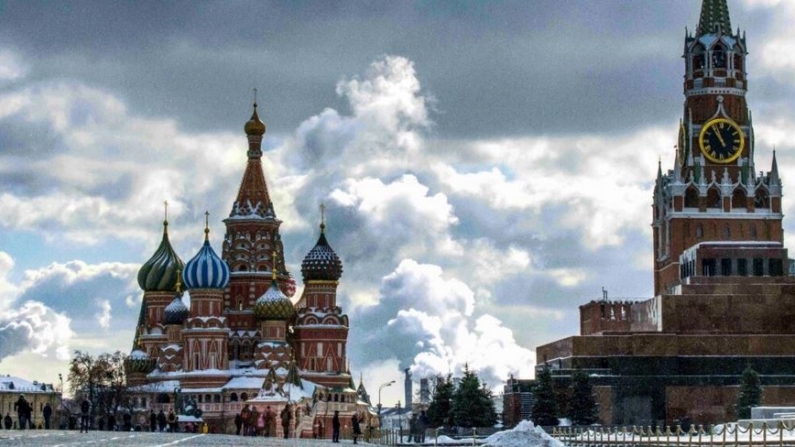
(713, 192)
(723, 298)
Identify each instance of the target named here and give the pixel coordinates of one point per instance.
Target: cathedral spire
(714, 18)
(253, 200)
(774, 178)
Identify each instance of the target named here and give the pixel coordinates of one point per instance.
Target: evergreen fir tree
(439, 409)
(472, 403)
(544, 407)
(750, 393)
(582, 406)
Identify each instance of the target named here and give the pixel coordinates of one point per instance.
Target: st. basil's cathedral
(243, 342)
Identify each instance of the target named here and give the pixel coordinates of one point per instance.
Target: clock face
(721, 140)
(681, 145)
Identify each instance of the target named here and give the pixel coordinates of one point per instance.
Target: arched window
(691, 197)
(163, 398)
(217, 398)
(738, 199)
(698, 57)
(718, 56)
(738, 58)
(699, 231)
(243, 397)
(713, 198)
(761, 199)
(233, 397)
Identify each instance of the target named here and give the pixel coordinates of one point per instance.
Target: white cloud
(11, 67)
(431, 327)
(35, 327)
(103, 313)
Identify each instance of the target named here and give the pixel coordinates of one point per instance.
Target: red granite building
(724, 299)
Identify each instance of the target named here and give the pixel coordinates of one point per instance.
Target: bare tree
(101, 380)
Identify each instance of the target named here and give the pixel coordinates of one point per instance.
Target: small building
(38, 394)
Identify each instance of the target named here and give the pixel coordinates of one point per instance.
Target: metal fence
(778, 433)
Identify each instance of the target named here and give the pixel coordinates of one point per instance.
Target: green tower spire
(714, 18)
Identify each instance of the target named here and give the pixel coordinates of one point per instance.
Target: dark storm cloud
(496, 68)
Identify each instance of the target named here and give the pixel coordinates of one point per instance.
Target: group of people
(162, 423)
(356, 429)
(25, 415)
(252, 422)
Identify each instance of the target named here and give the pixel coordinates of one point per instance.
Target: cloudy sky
(487, 166)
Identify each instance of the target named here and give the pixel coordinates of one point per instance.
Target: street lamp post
(400, 422)
(379, 399)
(60, 396)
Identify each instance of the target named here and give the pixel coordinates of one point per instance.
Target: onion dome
(254, 126)
(206, 270)
(139, 361)
(274, 305)
(160, 272)
(321, 263)
(177, 311)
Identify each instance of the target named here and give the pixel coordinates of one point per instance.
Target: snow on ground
(444, 440)
(523, 435)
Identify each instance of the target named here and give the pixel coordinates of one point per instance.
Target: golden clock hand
(720, 137)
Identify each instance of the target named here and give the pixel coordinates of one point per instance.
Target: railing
(777, 434)
(469, 437)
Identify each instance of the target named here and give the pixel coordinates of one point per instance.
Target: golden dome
(254, 126)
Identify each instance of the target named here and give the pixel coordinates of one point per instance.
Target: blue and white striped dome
(206, 270)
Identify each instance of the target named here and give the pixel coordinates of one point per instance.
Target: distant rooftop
(11, 384)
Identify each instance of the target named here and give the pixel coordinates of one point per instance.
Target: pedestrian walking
(22, 408)
(245, 414)
(357, 430)
(8, 421)
(335, 427)
(238, 423)
(47, 413)
(423, 422)
(270, 422)
(172, 421)
(253, 421)
(161, 421)
(286, 416)
(85, 407)
(152, 421)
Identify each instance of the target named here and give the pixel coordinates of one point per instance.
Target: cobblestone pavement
(53, 438)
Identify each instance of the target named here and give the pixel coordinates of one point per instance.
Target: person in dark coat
(423, 423)
(172, 422)
(8, 421)
(152, 420)
(245, 414)
(85, 406)
(161, 421)
(357, 431)
(127, 418)
(22, 408)
(286, 416)
(111, 422)
(238, 423)
(47, 413)
(335, 427)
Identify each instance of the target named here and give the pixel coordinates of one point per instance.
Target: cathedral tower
(252, 237)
